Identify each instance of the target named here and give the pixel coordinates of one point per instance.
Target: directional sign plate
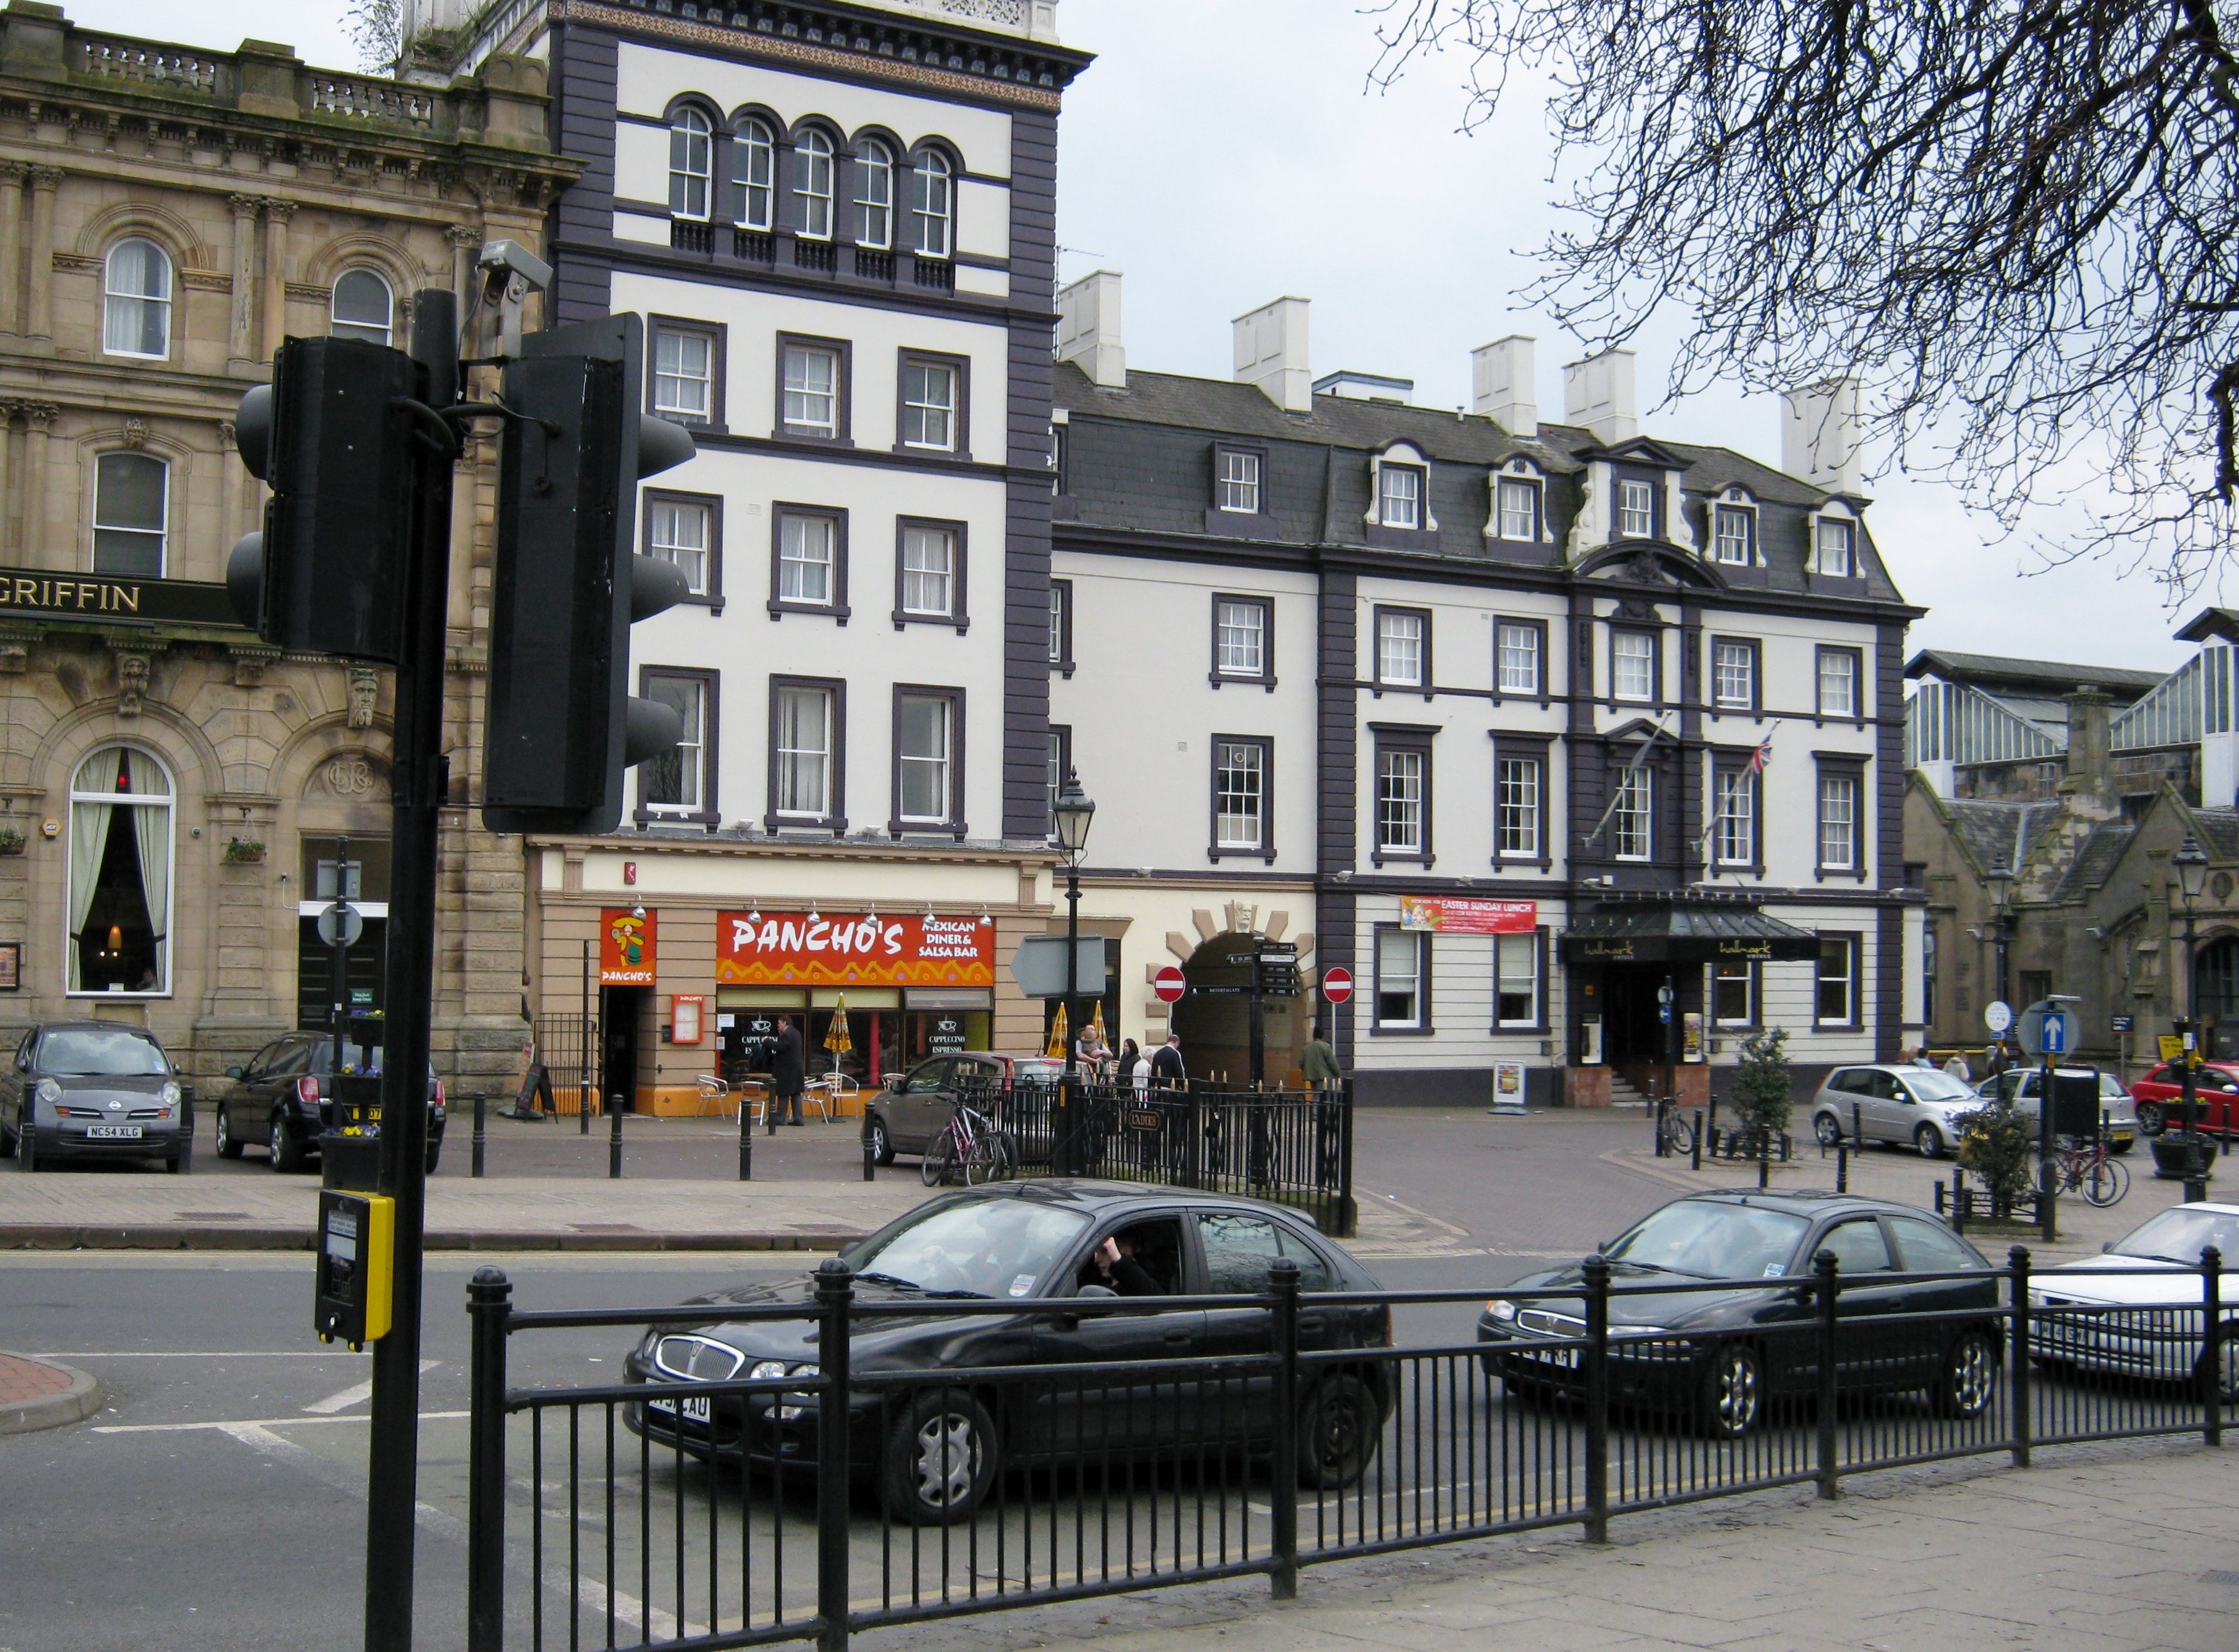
(341, 925)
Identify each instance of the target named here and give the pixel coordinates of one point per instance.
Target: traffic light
(334, 434)
(568, 583)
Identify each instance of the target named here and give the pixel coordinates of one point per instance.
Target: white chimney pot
(1088, 328)
(1502, 384)
(1597, 393)
(1821, 434)
(1271, 352)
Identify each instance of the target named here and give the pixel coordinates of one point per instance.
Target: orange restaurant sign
(626, 947)
(859, 949)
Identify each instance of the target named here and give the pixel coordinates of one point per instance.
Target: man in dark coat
(788, 1073)
(1167, 1071)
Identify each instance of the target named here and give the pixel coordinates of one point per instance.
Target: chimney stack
(1821, 434)
(1597, 394)
(1088, 328)
(1271, 352)
(1502, 384)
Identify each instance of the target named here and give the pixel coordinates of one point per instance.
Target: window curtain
(151, 826)
(88, 842)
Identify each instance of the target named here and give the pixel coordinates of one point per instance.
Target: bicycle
(1674, 1134)
(971, 1142)
(2088, 1169)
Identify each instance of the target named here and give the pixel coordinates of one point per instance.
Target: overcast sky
(1221, 153)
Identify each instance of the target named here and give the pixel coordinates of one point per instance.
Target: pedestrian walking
(1957, 1065)
(1168, 1070)
(1318, 1061)
(788, 1076)
(1131, 1057)
(1922, 1059)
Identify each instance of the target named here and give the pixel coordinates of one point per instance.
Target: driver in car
(1115, 1261)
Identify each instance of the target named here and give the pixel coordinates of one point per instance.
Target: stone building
(169, 786)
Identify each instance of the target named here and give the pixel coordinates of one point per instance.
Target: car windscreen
(1713, 1240)
(996, 1247)
(96, 1053)
(2181, 1235)
(1938, 1087)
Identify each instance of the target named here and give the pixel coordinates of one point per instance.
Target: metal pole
(835, 1291)
(583, 1091)
(490, 1304)
(420, 776)
(2196, 1165)
(1596, 1271)
(614, 1138)
(1825, 1282)
(2211, 1344)
(746, 1140)
(2017, 1259)
(1061, 1148)
(1283, 1470)
(481, 1128)
(338, 986)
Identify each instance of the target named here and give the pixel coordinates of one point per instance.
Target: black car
(1725, 1354)
(284, 1099)
(93, 1090)
(937, 1452)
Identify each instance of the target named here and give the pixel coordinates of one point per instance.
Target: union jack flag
(1762, 755)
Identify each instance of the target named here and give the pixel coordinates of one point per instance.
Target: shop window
(1402, 980)
(120, 873)
(1518, 975)
(1733, 993)
(1838, 981)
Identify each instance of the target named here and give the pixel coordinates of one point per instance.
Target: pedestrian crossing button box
(357, 1253)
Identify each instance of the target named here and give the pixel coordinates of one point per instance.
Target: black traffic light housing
(569, 582)
(338, 436)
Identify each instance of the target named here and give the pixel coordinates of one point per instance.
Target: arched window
(120, 873)
(136, 314)
(932, 204)
(691, 147)
(812, 185)
(363, 307)
(130, 509)
(753, 156)
(874, 195)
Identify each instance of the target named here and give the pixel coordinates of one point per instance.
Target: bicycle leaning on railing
(2087, 1168)
(971, 1144)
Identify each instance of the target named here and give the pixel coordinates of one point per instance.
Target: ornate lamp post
(2191, 862)
(1073, 810)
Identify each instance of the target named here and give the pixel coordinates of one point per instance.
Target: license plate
(2120, 1138)
(694, 1411)
(1566, 1357)
(113, 1132)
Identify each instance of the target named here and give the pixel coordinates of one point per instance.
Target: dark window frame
(718, 334)
(1855, 941)
(1062, 591)
(1655, 635)
(1540, 949)
(954, 823)
(1377, 684)
(1856, 714)
(710, 814)
(1820, 522)
(1266, 675)
(1422, 472)
(1264, 850)
(1748, 516)
(1725, 760)
(1213, 503)
(1620, 475)
(1754, 976)
(1509, 744)
(1718, 707)
(1545, 694)
(1062, 733)
(1395, 737)
(1538, 485)
(960, 613)
(1839, 765)
(835, 820)
(1424, 1026)
(908, 356)
(843, 410)
(713, 600)
(782, 511)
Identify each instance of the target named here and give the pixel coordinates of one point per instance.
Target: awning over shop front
(1684, 931)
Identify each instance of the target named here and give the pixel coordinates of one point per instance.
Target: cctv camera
(513, 259)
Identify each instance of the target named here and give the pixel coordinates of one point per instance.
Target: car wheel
(1826, 1129)
(2151, 1121)
(1336, 1433)
(435, 1152)
(1928, 1142)
(2227, 1384)
(1968, 1379)
(286, 1158)
(2120, 1147)
(880, 1141)
(227, 1147)
(940, 1459)
(1733, 1392)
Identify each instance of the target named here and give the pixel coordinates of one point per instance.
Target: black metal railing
(1292, 1146)
(715, 1508)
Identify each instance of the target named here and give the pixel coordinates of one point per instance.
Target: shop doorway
(315, 964)
(621, 1011)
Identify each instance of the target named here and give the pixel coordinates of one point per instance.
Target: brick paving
(25, 1379)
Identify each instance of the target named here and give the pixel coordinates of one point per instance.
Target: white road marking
(257, 1422)
(356, 1394)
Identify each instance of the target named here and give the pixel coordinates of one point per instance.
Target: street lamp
(1073, 810)
(2191, 862)
(2001, 879)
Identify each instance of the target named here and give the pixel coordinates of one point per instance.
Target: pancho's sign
(628, 947)
(94, 596)
(853, 949)
(1457, 916)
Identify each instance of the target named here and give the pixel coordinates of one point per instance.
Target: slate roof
(1990, 671)
(2000, 834)
(2222, 827)
(2095, 863)
(1141, 458)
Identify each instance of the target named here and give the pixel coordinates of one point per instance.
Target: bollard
(1765, 1158)
(1842, 1166)
(1858, 1125)
(746, 1139)
(870, 1154)
(481, 1128)
(614, 1138)
(1697, 1153)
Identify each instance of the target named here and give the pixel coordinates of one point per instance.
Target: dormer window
(1519, 507)
(1636, 509)
(1399, 496)
(1236, 480)
(1734, 535)
(1836, 548)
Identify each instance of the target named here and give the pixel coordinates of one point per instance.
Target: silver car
(93, 1090)
(2138, 1309)
(2020, 1087)
(1917, 1107)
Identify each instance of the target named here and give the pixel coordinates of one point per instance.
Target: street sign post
(2052, 1033)
(340, 925)
(1038, 964)
(1998, 1016)
(1169, 984)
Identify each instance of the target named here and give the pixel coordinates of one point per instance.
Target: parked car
(93, 1090)
(937, 1451)
(914, 1107)
(2019, 1088)
(1915, 1105)
(2145, 1320)
(1720, 1355)
(2159, 1096)
(283, 1099)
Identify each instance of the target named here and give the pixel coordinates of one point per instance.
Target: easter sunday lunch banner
(1456, 916)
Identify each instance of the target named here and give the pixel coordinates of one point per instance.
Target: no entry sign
(1169, 984)
(1337, 984)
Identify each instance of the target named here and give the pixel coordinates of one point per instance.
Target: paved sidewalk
(36, 1395)
(2116, 1548)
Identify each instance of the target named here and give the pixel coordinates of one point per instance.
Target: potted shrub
(1997, 1147)
(11, 841)
(1759, 1094)
(243, 851)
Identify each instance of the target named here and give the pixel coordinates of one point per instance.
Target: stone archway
(1214, 1018)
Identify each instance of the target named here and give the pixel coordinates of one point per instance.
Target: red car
(2159, 1096)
